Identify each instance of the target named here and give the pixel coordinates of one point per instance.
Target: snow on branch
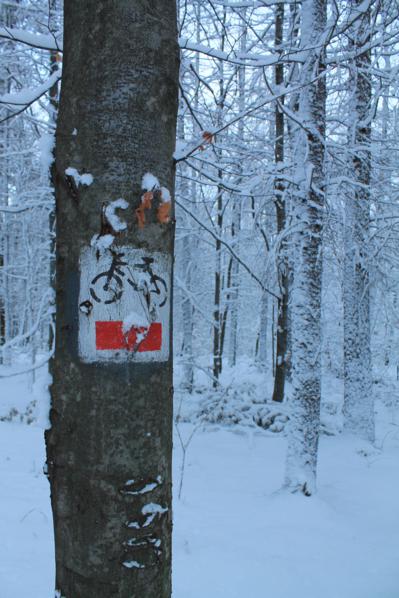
(248, 60)
(40, 41)
(20, 100)
(252, 3)
(185, 150)
(25, 97)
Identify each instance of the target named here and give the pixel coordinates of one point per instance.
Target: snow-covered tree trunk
(186, 307)
(263, 336)
(306, 332)
(218, 311)
(109, 448)
(7, 305)
(293, 146)
(236, 216)
(358, 395)
(234, 294)
(187, 310)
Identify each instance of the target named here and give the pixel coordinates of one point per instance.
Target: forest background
(286, 158)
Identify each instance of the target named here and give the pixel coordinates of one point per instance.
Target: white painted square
(124, 295)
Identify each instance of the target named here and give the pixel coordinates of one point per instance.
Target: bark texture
(358, 396)
(306, 309)
(109, 447)
(186, 304)
(281, 214)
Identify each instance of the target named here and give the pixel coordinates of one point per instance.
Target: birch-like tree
(358, 389)
(309, 207)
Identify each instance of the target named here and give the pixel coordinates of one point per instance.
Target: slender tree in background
(186, 305)
(218, 328)
(237, 209)
(109, 447)
(281, 220)
(358, 391)
(306, 332)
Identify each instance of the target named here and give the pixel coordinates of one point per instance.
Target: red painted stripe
(109, 336)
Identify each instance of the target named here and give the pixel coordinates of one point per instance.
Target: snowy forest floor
(236, 534)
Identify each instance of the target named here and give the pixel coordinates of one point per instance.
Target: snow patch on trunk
(150, 182)
(102, 242)
(113, 219)
(80, 179)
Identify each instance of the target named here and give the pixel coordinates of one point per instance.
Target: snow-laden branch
(240, 59)
(40, 41)
(34, 205)
(183, 151)
(26, 97)
(46, 302)
(10, 372)
(19, 101)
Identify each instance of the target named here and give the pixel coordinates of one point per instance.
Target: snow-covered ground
(236, 535)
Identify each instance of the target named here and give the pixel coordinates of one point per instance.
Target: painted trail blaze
(110, 336)
(124, 285)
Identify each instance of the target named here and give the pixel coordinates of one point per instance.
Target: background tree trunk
(358, 396)
(281, 217)
(109, 448)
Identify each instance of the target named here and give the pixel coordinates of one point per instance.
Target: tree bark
(280, 203)
(186, 305)
(306, 311)
(218, 333)
(358, 396)
(109, 447)
(237, 206)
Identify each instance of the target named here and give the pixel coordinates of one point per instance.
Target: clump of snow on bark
(133, 565)
(80, 179)
(117, 224)
(150, 182)
(134, 320)
(165, 195)
(147, 488)
(153, 508)
(75, 132)
(102, 242)
(46, 146)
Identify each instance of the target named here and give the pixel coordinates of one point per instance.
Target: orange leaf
(207, 136)
(163, 213)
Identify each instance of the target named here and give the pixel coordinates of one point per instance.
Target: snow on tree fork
(112, 407)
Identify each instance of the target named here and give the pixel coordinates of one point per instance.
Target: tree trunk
(186, 306)
(358, 396)
(234, 288)
(237, 206)
(261, 357)
(217, 312)
(306, 332)
(218, 337)
(280, 202)
(109, 447)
